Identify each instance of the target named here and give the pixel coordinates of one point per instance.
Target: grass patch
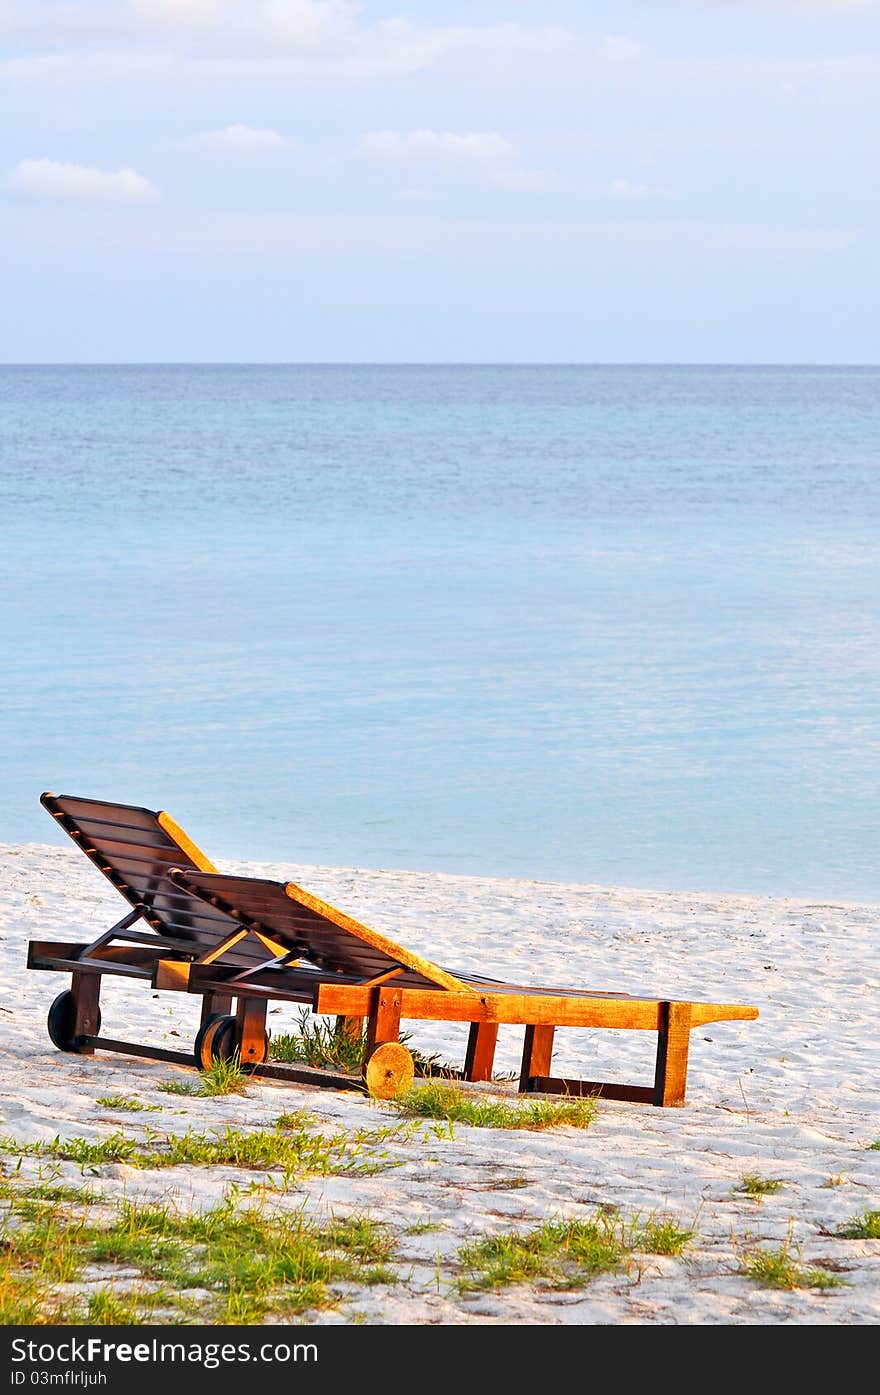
(862, 1227)
(566, 1254)
(758, 1187)
(423, 1227)
(109, 1308)
(441, 1100)
(328, 1044)
(122, 1102)
(781, 1268)
(32, 1196)
(225, 1265)
(320, 1042)
(292, 1148)
(221, 1078)
(660, 1235)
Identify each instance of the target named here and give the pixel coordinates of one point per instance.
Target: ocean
(574, 623)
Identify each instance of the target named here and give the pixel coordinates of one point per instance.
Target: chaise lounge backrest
(134, 848)
(325, 937)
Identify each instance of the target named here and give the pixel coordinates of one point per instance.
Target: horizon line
(434, 363)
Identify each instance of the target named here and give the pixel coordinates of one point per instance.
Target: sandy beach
(791, 1096)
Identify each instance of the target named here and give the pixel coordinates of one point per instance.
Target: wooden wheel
(61, 1021)
(390, 1071)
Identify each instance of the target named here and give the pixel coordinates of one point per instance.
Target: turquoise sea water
(595, 624)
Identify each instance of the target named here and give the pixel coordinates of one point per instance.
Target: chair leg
(383, 1023)
(215, 1005)
(480, 1054)
(537, 1053)
(673, 1040)
(251, 1018)
(86, 989)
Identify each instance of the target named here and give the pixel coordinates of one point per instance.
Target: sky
(329, 181)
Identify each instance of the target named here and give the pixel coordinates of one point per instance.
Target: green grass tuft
(122, 1102)
(293, 1150)
(441, 1100)
(758, 1187)
(865, 1226)
(567, 1254)
(319, 1042)
(224, 1265)
(328, 1044)
(781, 1268)
(223, 1078)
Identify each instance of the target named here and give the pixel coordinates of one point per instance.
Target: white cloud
(477, 148)
(626, 189)
(239, 140)
(278, 39)
(49, 179)
(218, 25)
(484, 155)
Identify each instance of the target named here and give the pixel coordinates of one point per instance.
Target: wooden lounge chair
(254, 941)
(133, 847)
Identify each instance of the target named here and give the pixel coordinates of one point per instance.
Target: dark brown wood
(215, 1005)
(311, 1075)
(480, 1054)
(604, 1089)
(43, 953)
(136, 1048)
(86, 989)
(116, 959)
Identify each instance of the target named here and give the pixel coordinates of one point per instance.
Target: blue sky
(319, 180)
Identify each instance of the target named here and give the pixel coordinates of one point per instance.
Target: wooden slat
(61, 963)
(87, 831)
(104, 810)
(136, 1048)
(119, 851)
(381, 942)
(557, 1085)
(701, 1013)
(641, 1014)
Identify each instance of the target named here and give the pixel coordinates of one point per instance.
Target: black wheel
(203, 1062)
(219, 1040)
(222, 1044)
(61, 1020)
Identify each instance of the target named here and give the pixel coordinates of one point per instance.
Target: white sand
(792, 1095)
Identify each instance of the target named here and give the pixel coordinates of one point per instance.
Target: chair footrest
(608, 1090)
